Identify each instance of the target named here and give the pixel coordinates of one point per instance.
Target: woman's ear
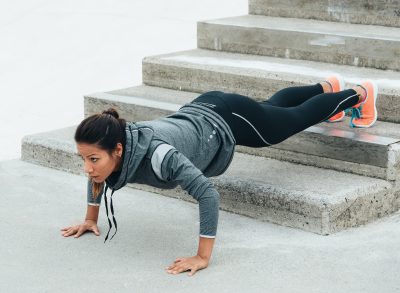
(118, 150)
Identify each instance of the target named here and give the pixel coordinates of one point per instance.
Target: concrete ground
(249, 255)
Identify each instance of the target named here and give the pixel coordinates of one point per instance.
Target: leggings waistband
(214, 101)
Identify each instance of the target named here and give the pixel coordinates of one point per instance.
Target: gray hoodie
(183, 149)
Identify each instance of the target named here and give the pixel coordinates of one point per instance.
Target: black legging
(287, 112)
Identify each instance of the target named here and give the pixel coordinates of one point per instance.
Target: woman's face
(97, 162)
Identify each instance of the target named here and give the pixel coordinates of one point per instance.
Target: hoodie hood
(138, 139)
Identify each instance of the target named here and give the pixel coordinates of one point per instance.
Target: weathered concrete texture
(338, 43)
(138, 103)
(374, 12)
(53, 150)
(333, 146)
(248, 256)
(261, 76)
(305, 197)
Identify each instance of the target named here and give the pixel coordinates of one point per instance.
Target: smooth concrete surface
(304, 39)
(153, 230)
(379, 12)
(261, 76)
(313, 199)
(372, 152)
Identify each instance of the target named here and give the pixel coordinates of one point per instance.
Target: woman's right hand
(78, 230)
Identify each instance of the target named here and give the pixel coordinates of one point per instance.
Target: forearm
(92, 213)
(205, 247)
(176, 167)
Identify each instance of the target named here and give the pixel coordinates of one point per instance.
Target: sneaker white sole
(375, 87)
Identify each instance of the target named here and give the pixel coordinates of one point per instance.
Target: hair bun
(112, 112)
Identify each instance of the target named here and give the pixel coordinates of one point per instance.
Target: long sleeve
(171, 165)
(90, 200)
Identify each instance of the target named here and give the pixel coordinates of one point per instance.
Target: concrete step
(377, 12)
(373, 152)
(260, 76)
(304, 39)
(313, 199)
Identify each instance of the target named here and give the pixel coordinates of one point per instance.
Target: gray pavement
(249, 255)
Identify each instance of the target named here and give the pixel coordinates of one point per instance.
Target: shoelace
(112, 212)
(355, 113)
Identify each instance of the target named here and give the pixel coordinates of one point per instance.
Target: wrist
(204, 258)
(205, 247)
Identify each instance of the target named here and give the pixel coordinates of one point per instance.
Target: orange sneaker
(336, 82)
(365, 114)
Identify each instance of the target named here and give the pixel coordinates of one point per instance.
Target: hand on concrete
(183, 264)
(88, 225)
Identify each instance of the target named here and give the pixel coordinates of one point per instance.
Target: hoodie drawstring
(112, 212)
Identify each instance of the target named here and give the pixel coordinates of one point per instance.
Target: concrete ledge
(377, 12)
(55, 149)
(338, 43)
(309, 198)
(331, 146)
(261, 76)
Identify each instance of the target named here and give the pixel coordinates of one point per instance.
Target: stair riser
(376, 12)
(130, 112)
(391, 173)
(232, 201)
(306, 147)
(257, 87)
(376, 205)
(347, 50)
(53, 158)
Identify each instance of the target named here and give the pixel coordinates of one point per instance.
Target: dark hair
(104, 130)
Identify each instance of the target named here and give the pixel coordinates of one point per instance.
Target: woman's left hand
(183, 264)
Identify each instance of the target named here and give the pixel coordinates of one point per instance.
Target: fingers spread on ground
(170, 268)
(179, 269)
(95, 230)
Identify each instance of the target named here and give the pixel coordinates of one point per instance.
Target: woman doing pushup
(198, 141)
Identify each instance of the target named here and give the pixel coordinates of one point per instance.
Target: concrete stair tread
(384, 132)
(311, 26)
(149, 96)
(251, 181)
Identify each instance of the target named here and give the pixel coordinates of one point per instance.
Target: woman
(198, 141)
